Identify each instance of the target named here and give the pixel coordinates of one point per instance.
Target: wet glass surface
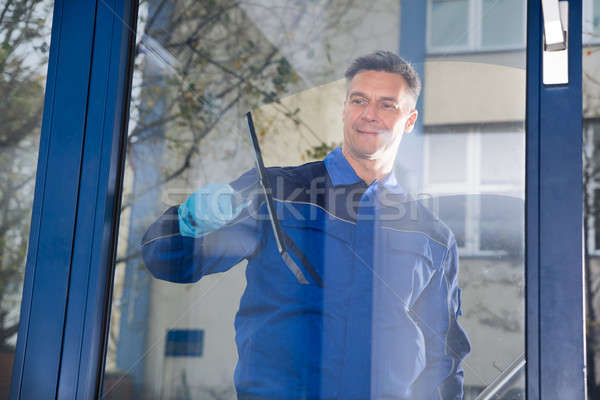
(380, 312)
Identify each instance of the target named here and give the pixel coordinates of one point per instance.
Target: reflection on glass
(453, 211)
(476, 25)
(501, 228)
(25, 38)
(591, 185)
(449, 23)
(502, 159)
(486, 205)
(502, 23)
(455, 144)
(591, 158)
(382, 300)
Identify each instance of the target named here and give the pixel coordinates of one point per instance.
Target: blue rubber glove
(208, 209)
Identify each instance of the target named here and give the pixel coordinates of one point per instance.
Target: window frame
(473, 183)
(72, 240)
(475, 33)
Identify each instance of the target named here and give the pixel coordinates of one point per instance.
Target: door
(487, 165)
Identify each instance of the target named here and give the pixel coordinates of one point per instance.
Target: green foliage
(319, 152)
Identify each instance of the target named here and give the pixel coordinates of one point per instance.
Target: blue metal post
(45, 293)
(99, 200)
(555, 341)
(61, 337)
(532, 201)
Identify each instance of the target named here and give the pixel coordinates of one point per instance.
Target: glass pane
(502, 156)
(501, 224)
(449, 23)
(474, 109)
(25, 38)
(453, 211)
(502, 23)
(358, 291)
(447, 143)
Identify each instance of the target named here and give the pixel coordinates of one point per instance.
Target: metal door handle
(554, 33)
(555, 42)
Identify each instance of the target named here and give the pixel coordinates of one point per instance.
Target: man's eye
(358, 101)
(388, 106)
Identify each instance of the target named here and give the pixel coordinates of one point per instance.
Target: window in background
(449, 32)
(478, 25)
(495, 16)
(489, 162)
(484, 206)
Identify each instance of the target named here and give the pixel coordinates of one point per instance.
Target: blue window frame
(76, 198)
(65, 305)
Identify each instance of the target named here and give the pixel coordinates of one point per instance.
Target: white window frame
(474, 33)
(472, 185)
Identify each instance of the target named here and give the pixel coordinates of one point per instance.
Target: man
(378, 316)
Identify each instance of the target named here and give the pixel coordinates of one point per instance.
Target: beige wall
(320, 110)
(464, 92)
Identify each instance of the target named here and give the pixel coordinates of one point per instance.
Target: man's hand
(208, 209)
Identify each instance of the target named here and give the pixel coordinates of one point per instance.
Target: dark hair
(386, 61)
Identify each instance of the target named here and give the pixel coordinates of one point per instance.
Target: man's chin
(369, 153)
(372, 147)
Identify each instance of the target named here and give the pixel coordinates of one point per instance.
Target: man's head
(382, 91)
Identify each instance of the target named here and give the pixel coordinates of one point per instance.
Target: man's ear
(411, 121)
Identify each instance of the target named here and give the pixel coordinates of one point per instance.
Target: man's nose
(370, 112)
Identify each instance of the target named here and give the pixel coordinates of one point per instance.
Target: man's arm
(191, 240)
(446, 343)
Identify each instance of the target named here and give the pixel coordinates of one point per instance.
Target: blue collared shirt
(380, 318)
(341, 172)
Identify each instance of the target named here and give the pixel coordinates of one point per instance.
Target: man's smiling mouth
(370, 132)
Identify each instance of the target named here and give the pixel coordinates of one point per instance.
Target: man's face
(377, 111)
